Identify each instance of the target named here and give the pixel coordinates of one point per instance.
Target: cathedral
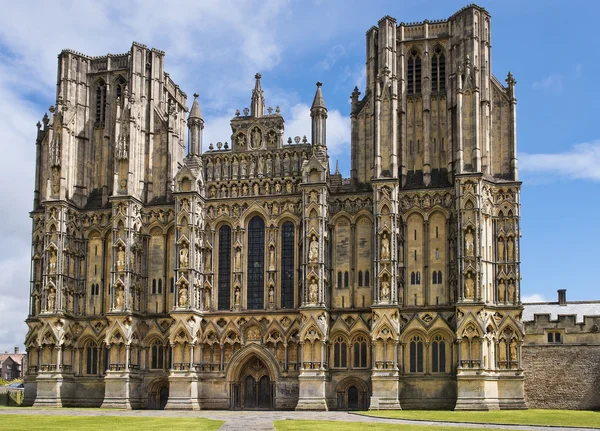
(168, 272)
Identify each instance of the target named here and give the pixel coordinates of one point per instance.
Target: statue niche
(313, 291)
(385, 247)
(469, 243)
(469, 287)
(256, 138)
(313, 250)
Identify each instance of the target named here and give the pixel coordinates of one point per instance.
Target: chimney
(16, 350)
(562, 296)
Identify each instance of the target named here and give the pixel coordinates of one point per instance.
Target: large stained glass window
(287, 265)
(224, 268)
(256, 263)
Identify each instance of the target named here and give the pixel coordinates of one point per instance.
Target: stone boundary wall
(562, 376)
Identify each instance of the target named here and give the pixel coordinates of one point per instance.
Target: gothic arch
(241, 357)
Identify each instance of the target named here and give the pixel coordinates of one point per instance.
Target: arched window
(157, 358)
(360, 352)
(119, 91)
(91, 359)
(434, 278)
(439, 277)
(154, 286)
(438, 70)
(340, 353)
(437, 254)
(256, 263)
(172, 284)
(160, 286)
(434, 145)
(287, 265)
(414, 72)
(224, 285)
(416, 355)
(360, 279)
(413, 278)
(100, 101)
(346, 280)
(339, 283)
(438, 355)
(550, 337)
(418, 277)
(367, 279)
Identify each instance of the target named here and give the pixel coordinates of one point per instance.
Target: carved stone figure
(241, 140)
(271, 296)
(52, 262)
(119, 297)
(501, 291)
(277, 164)
(51, 299)
(278, 187)
(500, 249)
(243, 168)
(313, 250)
(206, 298)
(250, 167)
(513, 351)
(217, 170)
(120, 258)
(289, 187)
(313, 291)
(286, 164)
(469, 243)
(385, 247)
(469, 287)
(511, 249)
(271, 258)
(183, 296)
(207, 259)
(183, 256)
(256, 138)
(511, 291)
(385, 289)
(259, 166)
(235, 165)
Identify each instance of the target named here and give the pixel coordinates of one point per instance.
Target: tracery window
(100, 101)
(416, 354)
(256, 263)
(287, 265)
(91, 359)
(438, 355)
(438, 70)
(360, 352)
(157, 356)
(414, 72)
(340, 353)
(224, 286)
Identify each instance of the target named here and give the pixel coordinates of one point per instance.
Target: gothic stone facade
(249, 276)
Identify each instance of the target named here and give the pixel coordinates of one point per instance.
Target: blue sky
(215, 48)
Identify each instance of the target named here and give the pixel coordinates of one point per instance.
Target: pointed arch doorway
(254, 388)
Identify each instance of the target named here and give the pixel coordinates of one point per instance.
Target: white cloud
(551, 82)
(535, 297)
(582, 162)
(335, 53)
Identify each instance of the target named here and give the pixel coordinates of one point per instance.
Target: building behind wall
(243, 274)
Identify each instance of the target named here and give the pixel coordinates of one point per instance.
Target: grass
(299, 425)
(570, 418)
(98, 423)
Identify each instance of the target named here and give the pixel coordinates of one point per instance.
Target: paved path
(263, 420)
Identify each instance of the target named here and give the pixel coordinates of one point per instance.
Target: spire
(195, 111)
(318, 102)
(258, 99)
(337, 168)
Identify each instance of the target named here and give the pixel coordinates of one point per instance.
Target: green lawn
(295, 425)
(98, 423)
(573, 418)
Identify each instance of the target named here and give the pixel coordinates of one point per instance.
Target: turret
(318, 114)
(195, 126)
(258, 99)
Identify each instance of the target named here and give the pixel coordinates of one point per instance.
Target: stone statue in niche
(121, 258)
(183, 256)
(278, 187)
(469, 243)
(119, 298)
(52, 261)
(217, 170)
(511, 291)
(286, 164)
(385, 289)
(206, 298)
(501, 249)
(511, 249)
(183, 296)
(226, 169)
(51, 299)
(236, 297)
(256, 189)
(207, 259)
(245, 190)
(277, 164)
(502, 291)
(259, 166)
(209, 170)
(295, 162)
(314, 197)
(267, 188)
(256, 138)
(272, 138)
(234, 191)
(268, 165)
(250, 167)
(313, 290)
(400, 294)
(385, 247)
(271, 296)
(313, 249)
(513, 351)
(238, 259)
(271, 258)
(469, 287)
(289, 187)
(243, 168)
